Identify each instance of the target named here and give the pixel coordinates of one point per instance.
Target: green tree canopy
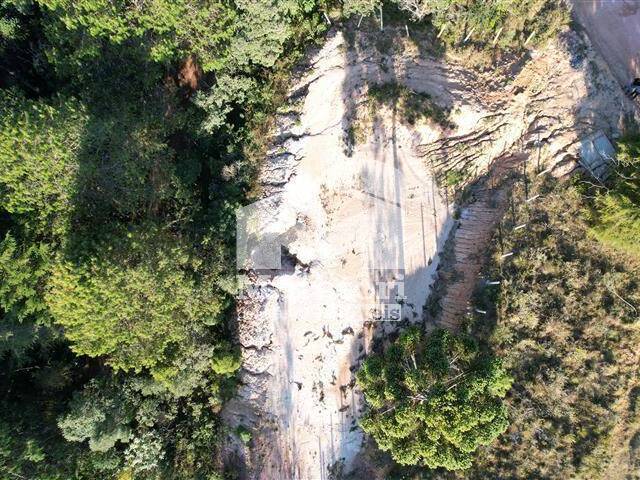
(116, 223)
(433, 401)
(516, 19)
(140, 301)
(22, 273)
(169, 30)
(616, 210)
(220, 34)
(39, 143)
(101, 413)
(360, 7)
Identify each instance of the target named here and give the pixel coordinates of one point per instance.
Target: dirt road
(614, 29)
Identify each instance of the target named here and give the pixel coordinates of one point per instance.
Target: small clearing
(358, 201)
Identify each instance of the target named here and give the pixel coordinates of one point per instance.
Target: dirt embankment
(362, 219)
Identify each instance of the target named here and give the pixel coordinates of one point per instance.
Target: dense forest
(130, 131)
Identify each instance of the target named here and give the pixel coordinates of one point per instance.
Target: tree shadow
(143, 159)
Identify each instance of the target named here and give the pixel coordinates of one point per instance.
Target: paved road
(614, 29)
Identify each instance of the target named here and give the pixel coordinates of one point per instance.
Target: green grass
(614, 214)
(412, 106)
(618, 223)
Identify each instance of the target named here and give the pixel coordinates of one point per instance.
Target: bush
(615, 213)
(433, 400)
(244, 434)
(515, 19)
(411, 106)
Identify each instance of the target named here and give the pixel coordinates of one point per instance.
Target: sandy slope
(367, 226)
(364, 227)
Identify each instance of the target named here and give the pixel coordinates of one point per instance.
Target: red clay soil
(471, 237)
(189, 74)
(614, 29)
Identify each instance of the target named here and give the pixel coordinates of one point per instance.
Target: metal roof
(596, 155)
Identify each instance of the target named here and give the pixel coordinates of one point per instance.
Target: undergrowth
(566, 319)
(614, 212)
(411, 106)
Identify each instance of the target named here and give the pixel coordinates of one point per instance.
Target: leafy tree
(127, 169)
(39, 142)
(225, 361)
(360, 7)
(169, 30)
(263, 31)
(23, 270)
(433, 400)
(116, 226)
(160, 437)
(145, 453)
(102, 414)
(138, 301)
(34, 388)
(265, 28)
(9, 25)
(515, 19)
(230, 90)
(219, 35)
(419, 9)
(615, 215)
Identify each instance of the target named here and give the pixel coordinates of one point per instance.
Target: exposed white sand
(368, 226)
(363, 222)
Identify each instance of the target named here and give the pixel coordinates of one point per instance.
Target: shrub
(566, 320)
(615, 212)
(433, 401)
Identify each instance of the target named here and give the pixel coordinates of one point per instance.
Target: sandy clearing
(364, 228)
(367, 228)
